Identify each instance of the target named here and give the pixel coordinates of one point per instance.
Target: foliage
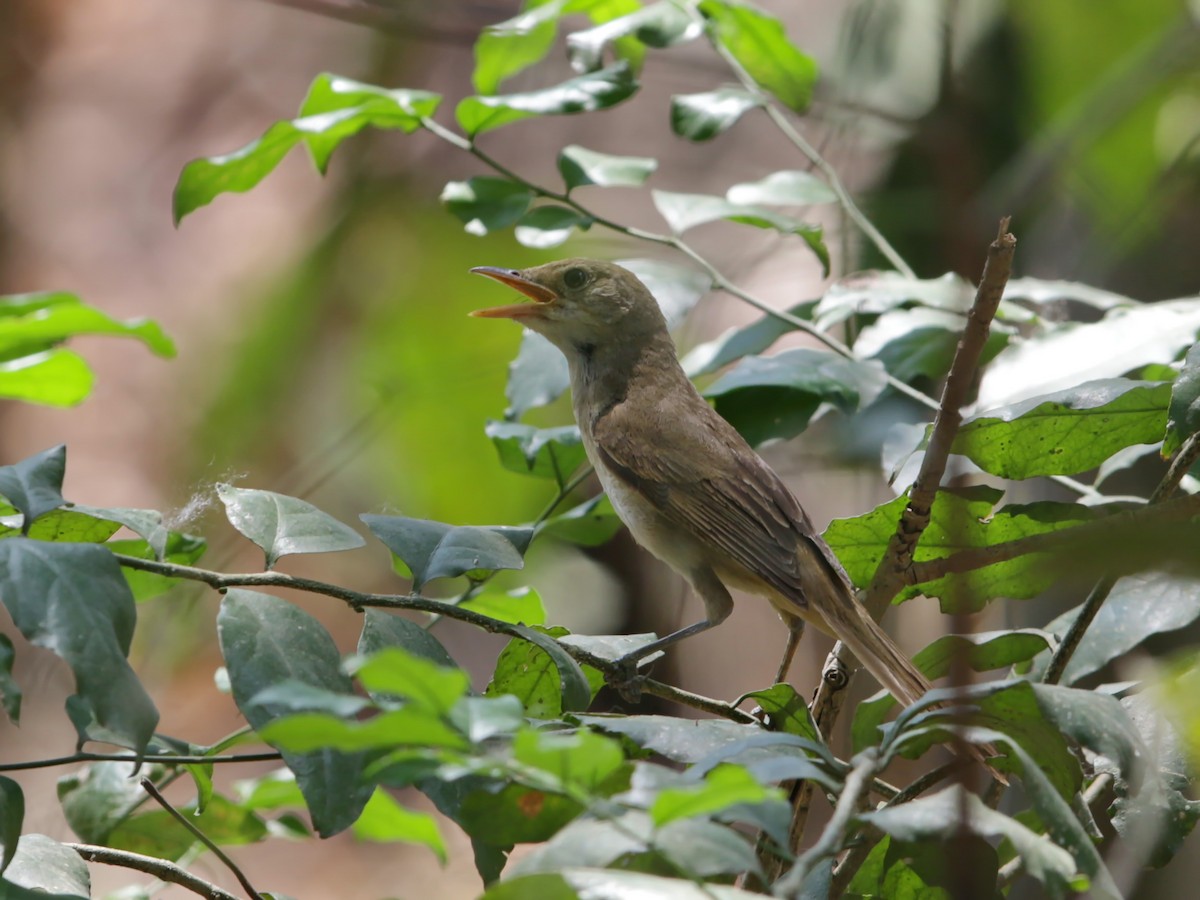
(623, 803)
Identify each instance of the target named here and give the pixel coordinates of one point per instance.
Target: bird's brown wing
(731, 500)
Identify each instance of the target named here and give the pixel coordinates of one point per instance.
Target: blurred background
(323, 346)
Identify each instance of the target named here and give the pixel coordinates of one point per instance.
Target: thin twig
(359, 600)
(149, 788)
(159, 868)
(1057, 667)
(165, 759)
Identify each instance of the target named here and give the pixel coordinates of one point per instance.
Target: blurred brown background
(323, 348)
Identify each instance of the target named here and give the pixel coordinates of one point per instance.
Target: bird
(687, 485)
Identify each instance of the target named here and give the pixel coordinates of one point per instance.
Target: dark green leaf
(437, 550)
(548, 226)
(52, 378)
(767, 397)
(383, 629)
(538, 671)
(537, 376)
(701, 117)
(147, 523)
(283, 525)
(586, 93)
(1139, 607)
(738, 342)
(1095, 721)
(920, 343)
(788, 711)
(266, 640)
(784, 188)
(939, 817)
(100, 796)
(12, 815)
(542, 452)
(518, 606)
(982, 652)
(181, 549)
(961, 519)
(1183, 412)
(758, 42)
(485, 203)
(383, 819)
(580, 166)
(71, 599)
(337, 108)
(34, 485)
(679, 740)
(1067, 432)
(609, 884)
(44, 869)
(10, 691)
(589, 524)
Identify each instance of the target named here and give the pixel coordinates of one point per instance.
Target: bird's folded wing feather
(732, 501)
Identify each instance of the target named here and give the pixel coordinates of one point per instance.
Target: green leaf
(659, 25)
(961, 519)
(586, 93)
(385, 820)
(541, 674)
(424, 684)
(10, 691)
(506, 48)
(548, 226)
(98, 797)
(580, 166)
(34, 485)
(685, 211)
(701, 117)
(147, 523)
(1183, 412)
(723, 786)
(1067, 432)
(52, 378)
(12, 815)
(981, 652)
(581, 760)
(749, 340)
(181, 549)
(758, 41)
(589, 524)
(1095, 721)
(767, 397)
(788, 187)
(920, 343)
(437, 550)
(485, 203)
(383, 629)
(541, 452)
(350, 106)
(609, 884)
(679, 740)
(940, 817)
(264, 641)
(49, 318)
(518, 606)
(335, 109)
(62, 525)
(481, 718)
(537, 376)
(44, 869)
(72, 600)
(291, 695)
(788, 711)
(158, 834)
(283, 525)
(500, 813)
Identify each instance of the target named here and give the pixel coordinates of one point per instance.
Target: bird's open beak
(537, 293)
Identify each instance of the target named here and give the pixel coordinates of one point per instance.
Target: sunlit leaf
(506, 48)
(48, 318)
(383, 819)
(580, 166)
(548, 226)
(662, 24)
(701, 117)
(518, 606)
(541, 674)
(395, 672)
(485, 204)
(758, 42)
(586, 93)
(53, 378)
(784, 188)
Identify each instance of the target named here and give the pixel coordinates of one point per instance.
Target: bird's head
(579, 302)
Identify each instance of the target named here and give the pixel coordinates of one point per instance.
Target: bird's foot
(626, 679)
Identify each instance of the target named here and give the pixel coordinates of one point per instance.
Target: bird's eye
(575, 278)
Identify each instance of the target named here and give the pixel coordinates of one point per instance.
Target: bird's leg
(795, 632)
(717, 603)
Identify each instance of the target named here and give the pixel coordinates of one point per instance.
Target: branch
(1184, 457)
(890, 576)
(359, 600)
(149, 788)
(166, 759)
(159, 868)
